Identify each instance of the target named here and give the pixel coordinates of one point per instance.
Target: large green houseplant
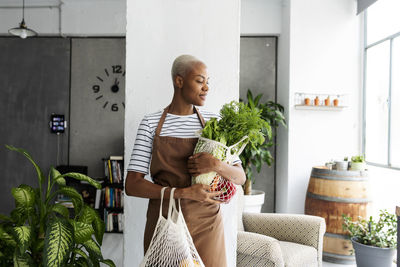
(39, 232)
(259, 154)
(374, 242)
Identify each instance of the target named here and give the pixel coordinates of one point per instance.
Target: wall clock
(109, 88)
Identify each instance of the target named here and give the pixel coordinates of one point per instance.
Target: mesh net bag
(171, 244)
(225, 154)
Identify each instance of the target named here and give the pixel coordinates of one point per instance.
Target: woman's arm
(137, 186)
(204, 162)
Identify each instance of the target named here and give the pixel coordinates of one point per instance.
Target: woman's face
(195, 85)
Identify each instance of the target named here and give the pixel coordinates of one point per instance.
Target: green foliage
(358, 158)
(237, 120)
(41, 233)
(258, 154)
(381, 233)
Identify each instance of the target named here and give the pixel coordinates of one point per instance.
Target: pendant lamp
(22, 31)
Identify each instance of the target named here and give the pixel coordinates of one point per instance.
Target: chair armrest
(303, 229)
(258, 250)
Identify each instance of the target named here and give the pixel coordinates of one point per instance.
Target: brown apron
(169, 168)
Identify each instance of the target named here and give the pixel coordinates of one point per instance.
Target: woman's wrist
(180, 193)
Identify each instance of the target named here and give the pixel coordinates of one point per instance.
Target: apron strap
(203, 124)
(161, 122)
(164, 115)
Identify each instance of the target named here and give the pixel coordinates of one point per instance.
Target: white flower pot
(358, 166)
(254, 202)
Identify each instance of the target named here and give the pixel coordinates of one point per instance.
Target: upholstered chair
(284, 240)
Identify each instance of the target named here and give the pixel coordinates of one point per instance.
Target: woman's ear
(179, 81)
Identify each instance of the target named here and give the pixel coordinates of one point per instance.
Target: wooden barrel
(330, 194)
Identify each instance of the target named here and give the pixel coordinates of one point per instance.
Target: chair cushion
(296, 255)
(258, 250)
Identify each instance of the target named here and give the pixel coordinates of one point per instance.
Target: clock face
(109, 87)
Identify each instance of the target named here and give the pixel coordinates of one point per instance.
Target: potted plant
(374, 242)
(259, 154)
(358, 163)
(39, 232)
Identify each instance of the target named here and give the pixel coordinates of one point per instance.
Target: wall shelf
(317, 101)
(325, 108)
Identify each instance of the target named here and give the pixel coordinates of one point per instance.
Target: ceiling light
(22, 31)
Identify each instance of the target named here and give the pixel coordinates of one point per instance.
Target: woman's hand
(202, 162)
(199, 192)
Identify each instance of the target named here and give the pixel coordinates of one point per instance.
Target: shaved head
(183, 65)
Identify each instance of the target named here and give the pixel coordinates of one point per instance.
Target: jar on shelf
(316, 101)
(327, 101)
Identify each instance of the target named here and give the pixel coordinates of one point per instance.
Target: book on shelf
(113, 169)
(98, 198)
(113, 221)
(116, 157)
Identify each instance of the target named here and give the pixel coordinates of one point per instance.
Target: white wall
(157, 32)
(66, 17)
(260, 17)
(322, 39)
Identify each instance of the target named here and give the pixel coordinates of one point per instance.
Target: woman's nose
(205, 87)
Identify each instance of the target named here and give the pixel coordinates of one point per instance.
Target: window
(381, 140)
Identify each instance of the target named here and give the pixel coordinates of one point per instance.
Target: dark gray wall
(258, 73)
(34, 82)
(96, 131)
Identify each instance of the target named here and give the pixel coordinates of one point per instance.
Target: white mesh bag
(171, 244)
(225, 154)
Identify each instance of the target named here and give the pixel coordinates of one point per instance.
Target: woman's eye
(200, 81)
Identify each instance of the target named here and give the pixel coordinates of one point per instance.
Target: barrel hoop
(349, 173)
(339, 199)
(337, 256)
(337, 236)
(341, 178)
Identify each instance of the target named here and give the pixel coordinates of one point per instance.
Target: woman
(167, 139)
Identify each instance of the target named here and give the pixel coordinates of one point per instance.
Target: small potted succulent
(374, 242)
(358, 163)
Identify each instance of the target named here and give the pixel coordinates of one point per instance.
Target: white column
(158, 32)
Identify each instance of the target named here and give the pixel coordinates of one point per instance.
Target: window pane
(382, 20)
(395, 131)
(377, 92)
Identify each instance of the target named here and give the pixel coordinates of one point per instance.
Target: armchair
(284, 240)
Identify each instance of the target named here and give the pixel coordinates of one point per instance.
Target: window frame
(389, 38)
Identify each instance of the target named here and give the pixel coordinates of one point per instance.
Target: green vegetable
(237, 120)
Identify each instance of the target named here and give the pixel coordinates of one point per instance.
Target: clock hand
(116, 81)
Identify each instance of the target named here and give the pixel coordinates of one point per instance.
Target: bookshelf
(112, 195)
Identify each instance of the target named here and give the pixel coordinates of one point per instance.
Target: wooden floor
(328, 264)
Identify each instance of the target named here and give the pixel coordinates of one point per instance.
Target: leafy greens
(237, 120)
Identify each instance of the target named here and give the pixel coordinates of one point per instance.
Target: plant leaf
(7, 238)
(81, 253)
(82, 177)
(76, 198)
(81, 262)
(93, 248)
(82, 231)
(5, 218)
(58, 241)
(60, 209)
(99, 229)
(24, 196)
(23, 236)
(26, 154)
(108, 262)
(21, 260)
(87, 215)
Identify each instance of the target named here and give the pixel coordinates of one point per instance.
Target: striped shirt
(181, 126)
